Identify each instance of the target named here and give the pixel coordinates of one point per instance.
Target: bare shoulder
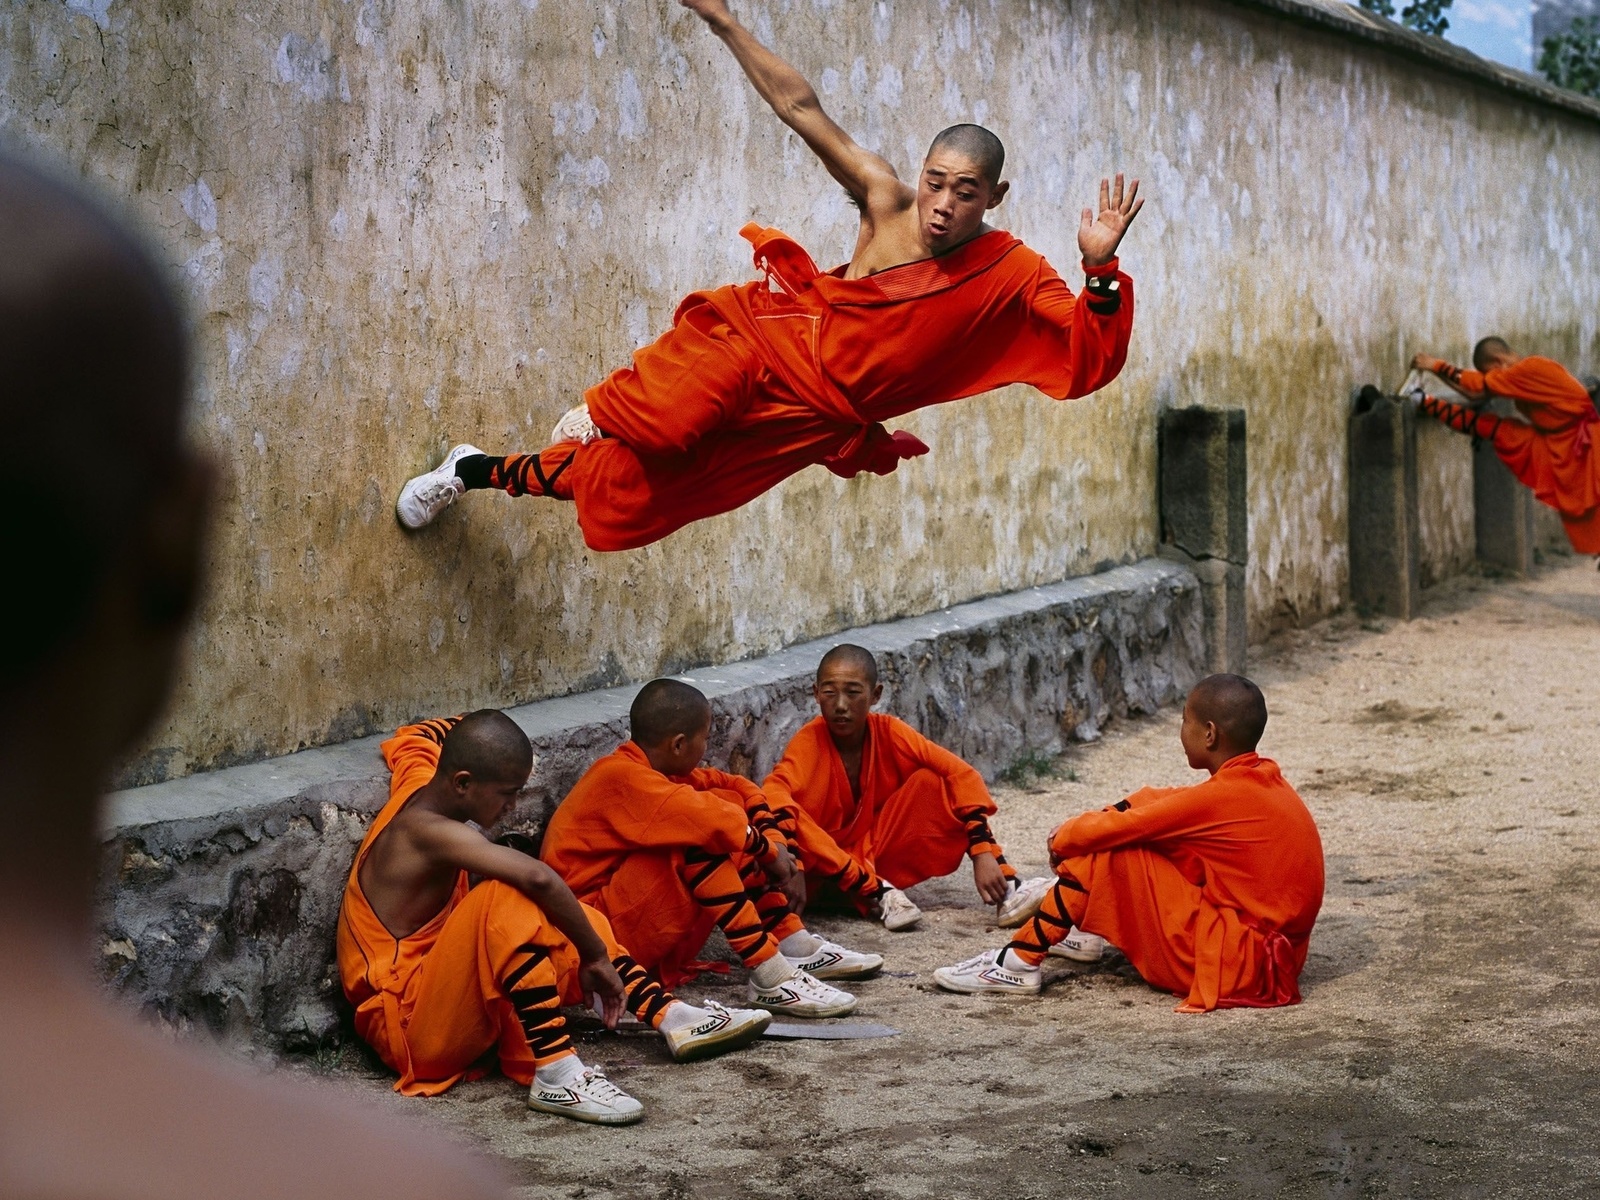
(94, 1104)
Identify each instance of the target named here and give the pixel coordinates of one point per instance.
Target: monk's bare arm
(868, 178)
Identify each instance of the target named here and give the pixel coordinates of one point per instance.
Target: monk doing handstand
(1211, 890)
(757, 381)
(1553, 451)
(878, 807)
(442, 973)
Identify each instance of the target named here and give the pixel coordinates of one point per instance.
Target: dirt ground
(1447, 1043)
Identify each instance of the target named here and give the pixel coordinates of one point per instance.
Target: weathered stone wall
(219, 892)
(403, 225)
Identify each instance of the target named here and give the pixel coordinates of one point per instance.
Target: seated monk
(443, 973)
(1211, 890)
(1553, 451)
(759, 380)
(878, 807)
(668, 849)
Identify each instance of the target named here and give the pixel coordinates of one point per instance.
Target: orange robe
(757, 381)
(911, 821)
(620, 841)
(1555, 453)
(432, 1003)
(1211, 890)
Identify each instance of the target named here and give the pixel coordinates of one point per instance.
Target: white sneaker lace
(598, 1087)
(439, 490)
(978, 962)
(813, 988)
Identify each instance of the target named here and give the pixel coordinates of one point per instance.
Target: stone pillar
(1204, 519)
(1385, 546)
(1504, 513)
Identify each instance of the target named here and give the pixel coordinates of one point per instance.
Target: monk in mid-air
(757, 381)
(1553, 451)
(668, 850)
(1211, 890)
(877, 807)
(443, 973)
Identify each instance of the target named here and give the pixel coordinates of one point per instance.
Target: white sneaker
(896, 910)
(576, 426)
(720, 1030)
(833, 961)
(1023, 902)
(425, 496)
(1080, 946)
(991, 972)
(802, 995)
(584, 1094)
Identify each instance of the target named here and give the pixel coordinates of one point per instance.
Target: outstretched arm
(1470, 384)
(863, 174)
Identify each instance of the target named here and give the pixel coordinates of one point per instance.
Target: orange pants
(914, 834)
(1136, 899)
(664, 904)
(496, 979)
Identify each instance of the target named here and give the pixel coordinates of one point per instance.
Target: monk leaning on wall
(1211, 890)
(1553, 451)
(444, 974)
(669, 850)
(758, 381)
(878, 807)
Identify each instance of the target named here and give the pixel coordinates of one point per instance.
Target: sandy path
(1447, 1045)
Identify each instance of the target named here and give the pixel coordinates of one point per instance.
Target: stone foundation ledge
(220, 892)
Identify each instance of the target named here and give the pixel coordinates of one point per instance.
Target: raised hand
(1099, 237)
(711, 11)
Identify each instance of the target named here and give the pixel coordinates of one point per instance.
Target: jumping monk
(442, 973)
(1211, 890)
(669, 850)
(93, 1101)
(877, 807)
(1553, 451)
(757, 381)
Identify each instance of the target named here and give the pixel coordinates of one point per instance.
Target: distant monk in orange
(1554, 452)
(878, 807)
(757, 381)
(443, 973)
(669, 850)
(1211, 891)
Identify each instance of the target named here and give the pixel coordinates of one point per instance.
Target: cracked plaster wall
(406, 225)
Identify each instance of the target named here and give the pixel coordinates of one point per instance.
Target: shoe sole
(732, 1038)
(964, 989)
(843, 972)
(588, 1118)
(1020, 918)
(901, 923)
(1081, 956)
(815, 1014)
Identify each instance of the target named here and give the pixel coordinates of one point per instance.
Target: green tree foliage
(1572, 59)
(1425, 16)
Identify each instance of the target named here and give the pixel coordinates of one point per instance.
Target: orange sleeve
(794, 787)
(1090, 331)
(768, 825)
(1148, 815)
(648, 810)
(967, 789)
(1464, 380)
(412, 754)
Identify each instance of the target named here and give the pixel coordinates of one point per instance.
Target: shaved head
(977, 145)
(1235, 705)
(488, 745)
(94, 362)
(857, 658)
(1486, 351)
(665, 708)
